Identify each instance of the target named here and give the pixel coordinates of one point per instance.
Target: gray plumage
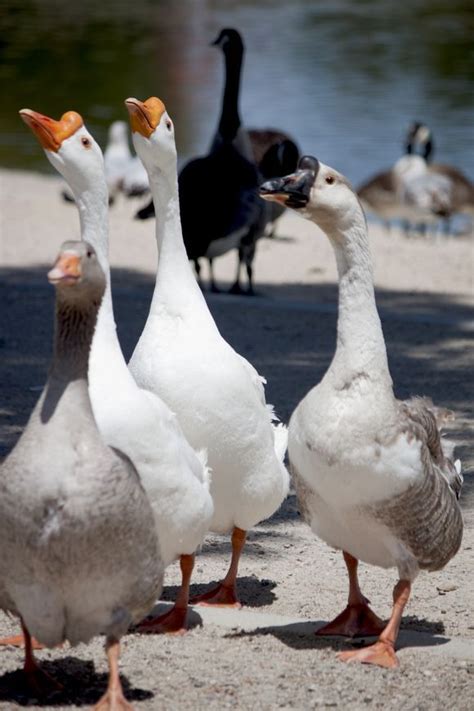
(79, 553)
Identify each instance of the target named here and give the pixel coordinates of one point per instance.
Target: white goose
(123, 171)
(131, 419)
(372, 474)
(217, 395)
(79, 554)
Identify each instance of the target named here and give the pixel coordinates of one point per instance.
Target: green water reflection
(344, 77)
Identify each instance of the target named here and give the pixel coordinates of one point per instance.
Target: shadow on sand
(82, 686)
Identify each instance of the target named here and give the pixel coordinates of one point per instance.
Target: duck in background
(240, 219)
(372, 474)
(132, 420)
(218, 396)
(79, 552)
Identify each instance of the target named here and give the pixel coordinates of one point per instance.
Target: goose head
(152, 133)
(419, 139)
(317, 192)
(77, 274)
(69, 147)
(229, 41)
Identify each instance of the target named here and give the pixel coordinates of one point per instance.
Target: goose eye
(169, 125)
(89, 253)
(85, 142)
(330, 179)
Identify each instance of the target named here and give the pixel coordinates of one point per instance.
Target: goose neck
(175, 282)
(230, 119)
(92, 205)
(360, 343)
(74, 330)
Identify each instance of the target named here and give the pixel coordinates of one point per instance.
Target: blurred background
(344, 77)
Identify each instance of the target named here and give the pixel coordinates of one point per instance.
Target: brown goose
(373, 476)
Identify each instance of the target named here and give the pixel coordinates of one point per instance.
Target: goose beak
(145, 115)
(292, 190)
(67, 269)
(51, 133)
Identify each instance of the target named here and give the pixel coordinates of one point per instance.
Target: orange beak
(145, 115)
(66, 270)
(51, 133)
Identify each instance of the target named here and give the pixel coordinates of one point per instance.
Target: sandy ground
(265, 656)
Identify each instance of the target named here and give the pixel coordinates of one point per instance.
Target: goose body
(217, 395)
(79, 549)
(131, 419)
(372, 474)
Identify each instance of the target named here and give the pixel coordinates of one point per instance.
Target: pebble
(446, 587)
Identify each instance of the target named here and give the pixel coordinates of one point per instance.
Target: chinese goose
(132, 420)
(217, 395)
(79, 553)
(372, 474)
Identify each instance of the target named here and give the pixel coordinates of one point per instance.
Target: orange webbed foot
(220, 596)
(113, 700)
(172, 622)
(18, 640)
(381, 654)
(357, 620)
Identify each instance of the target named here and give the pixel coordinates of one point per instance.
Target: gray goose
(79, 554)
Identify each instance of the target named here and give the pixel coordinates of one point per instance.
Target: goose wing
(426, 422)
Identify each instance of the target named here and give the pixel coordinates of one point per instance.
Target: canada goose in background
(420, 137)
(373, 475)
(415, 190)
(273, 152)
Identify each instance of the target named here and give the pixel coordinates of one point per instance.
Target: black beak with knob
(293, 190)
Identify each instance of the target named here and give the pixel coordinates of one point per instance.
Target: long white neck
(176, 289)
(360, 349)
(92, 204)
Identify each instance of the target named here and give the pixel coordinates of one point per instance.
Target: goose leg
(40, 683)
(382, 653)
(212, 282)
(357, 619)
(113, 699)
(225, 594)
(173, 621)
(249, 257)
(18, 640)
(236, 287)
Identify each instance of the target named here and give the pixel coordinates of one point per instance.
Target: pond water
(343, 77)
